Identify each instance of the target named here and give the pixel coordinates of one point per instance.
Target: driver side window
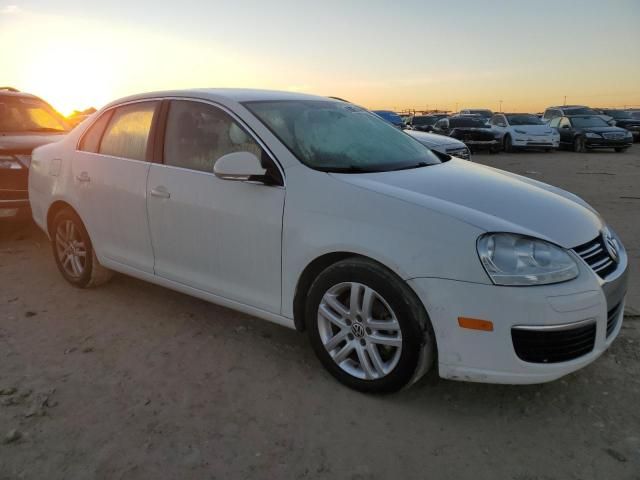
(565, 123)
(198, 134)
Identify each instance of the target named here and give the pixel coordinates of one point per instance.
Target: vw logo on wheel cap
(358, 330)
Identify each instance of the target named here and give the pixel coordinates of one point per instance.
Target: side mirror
(239, 166)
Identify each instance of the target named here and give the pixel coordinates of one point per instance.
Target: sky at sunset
(380, 54)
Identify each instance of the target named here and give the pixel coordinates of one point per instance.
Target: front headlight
(517, 260)
(592, 135)
(9, 162)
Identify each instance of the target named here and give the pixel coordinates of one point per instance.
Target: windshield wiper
(412, 166)
(347, 169)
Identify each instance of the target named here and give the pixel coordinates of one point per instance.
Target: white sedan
(318, 215)
(525, 131)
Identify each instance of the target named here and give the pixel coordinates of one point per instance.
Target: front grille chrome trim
(554, 328)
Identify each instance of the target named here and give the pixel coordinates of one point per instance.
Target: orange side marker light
(475, 324)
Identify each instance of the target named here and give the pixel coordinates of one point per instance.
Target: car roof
(235, 94)
(6, 92)
(563, 107)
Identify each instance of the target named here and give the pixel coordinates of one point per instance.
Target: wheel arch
(311, 272)
(56, 207)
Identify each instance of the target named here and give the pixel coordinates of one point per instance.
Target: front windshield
(23, 114)
(467, 122)
(619, 114)
(582, 122)
(424, 120)
(581, 111)
(524, 120)
(483, 113)
(340, 137)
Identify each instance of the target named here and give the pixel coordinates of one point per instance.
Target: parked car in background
(525, 131)
(560, 111)
(584, 132)
(393, 262)
(472, 130)
(425, 123)
(26, 122)
(392, 117)
(624, 119)
(482, 112)
(442, 144)
(635, 113)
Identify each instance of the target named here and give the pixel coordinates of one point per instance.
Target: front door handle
(83, 177)
(160, 192)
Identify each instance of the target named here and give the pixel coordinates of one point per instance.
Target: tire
(352, 337)
(579, 145)
(508, 144)
(620, 149)
(80, 267)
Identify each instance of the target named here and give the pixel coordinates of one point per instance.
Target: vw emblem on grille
(358, 330)
(610, 244)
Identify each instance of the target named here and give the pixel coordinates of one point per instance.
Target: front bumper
(14, 209)
(535, 141)
(608, 143)
(490, 357)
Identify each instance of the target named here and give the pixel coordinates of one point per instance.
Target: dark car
(568, 110)
(472, 130)
(392, 117)
(26, 122)
(425, 123)
(582, 132)
(624, 119)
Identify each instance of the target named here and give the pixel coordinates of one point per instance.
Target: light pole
(500, 106)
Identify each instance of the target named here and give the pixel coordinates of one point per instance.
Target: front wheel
(367, 326)
(508, 144)
(74, 254)
(579, 145)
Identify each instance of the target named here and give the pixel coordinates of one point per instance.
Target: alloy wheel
(359, 330)
(71, 249)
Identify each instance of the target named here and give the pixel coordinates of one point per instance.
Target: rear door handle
(160, 192)
(83, 177)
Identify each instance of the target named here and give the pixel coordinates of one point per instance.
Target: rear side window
(91, 140)
(127, 135)
(198, 134)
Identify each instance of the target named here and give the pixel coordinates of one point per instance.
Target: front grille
(613, 135)
(459, 152)
(597, 256)
(612, 318)
(553, 345)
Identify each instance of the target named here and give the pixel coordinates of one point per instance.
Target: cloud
(10, 10)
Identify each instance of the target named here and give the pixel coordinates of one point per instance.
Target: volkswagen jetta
(318, 215)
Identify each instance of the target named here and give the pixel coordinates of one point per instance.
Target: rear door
(220, 236)
(110, 171)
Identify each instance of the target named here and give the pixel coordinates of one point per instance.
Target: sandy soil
(133, 381)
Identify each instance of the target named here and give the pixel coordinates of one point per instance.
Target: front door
(219, 236)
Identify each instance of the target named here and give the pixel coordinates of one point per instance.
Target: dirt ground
(133, 381)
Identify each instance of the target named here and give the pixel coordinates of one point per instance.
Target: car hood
(489, 199)
(534, 129)
(26, 142)
(603, 129)
(433, 139)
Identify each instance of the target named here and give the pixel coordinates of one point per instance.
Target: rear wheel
(74, 254)
(367, 327)
(620, 149)
(579, 145)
